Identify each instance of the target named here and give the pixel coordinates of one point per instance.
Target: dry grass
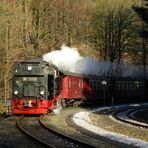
(104, 122)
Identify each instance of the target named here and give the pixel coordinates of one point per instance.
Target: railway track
(142, 117)
(35, 128)
(126, 116)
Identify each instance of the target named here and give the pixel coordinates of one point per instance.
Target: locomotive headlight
(42, 92)
(16, 92)
(29, 68)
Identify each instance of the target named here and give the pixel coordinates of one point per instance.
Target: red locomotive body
(43, 106)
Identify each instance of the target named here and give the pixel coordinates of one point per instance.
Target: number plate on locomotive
(29, 78)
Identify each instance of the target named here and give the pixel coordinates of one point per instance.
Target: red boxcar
(73, 88)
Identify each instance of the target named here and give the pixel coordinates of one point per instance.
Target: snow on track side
(82, 119)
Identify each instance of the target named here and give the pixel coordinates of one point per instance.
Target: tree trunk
(7, 61)
(24, 22)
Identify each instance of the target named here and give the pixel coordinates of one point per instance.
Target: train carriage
(126, 90)
(99, 90)
(72, 88)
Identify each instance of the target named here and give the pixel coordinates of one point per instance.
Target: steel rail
(18, 123)
(132, 114)
(64, 136)
(132, 122)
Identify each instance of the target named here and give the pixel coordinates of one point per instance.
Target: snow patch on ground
(82, 119)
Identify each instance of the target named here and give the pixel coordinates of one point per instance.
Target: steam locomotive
(39, 86)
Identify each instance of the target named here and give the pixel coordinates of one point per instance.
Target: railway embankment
(94, 126)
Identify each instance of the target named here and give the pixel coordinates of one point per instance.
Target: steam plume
(69, 59)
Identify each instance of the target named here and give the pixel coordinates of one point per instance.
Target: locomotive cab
(33, 87)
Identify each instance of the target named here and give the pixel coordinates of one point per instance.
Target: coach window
(79, 83)
(125, 86)
(137, 84)
(69, 83)
(128, 86)
(90, 84)
(118, 85)
(141, 85)
(98, 85)
(133, 86)
(122, 86)
(95, 85)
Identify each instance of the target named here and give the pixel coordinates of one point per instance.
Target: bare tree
(9, 46)
(113, 30)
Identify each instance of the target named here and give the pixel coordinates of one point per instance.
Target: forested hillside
(103, 29)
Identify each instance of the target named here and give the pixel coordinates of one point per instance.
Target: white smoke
(69, 59)
(90, 66)
(64, 58)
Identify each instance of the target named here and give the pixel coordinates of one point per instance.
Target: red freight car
(72, 88)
